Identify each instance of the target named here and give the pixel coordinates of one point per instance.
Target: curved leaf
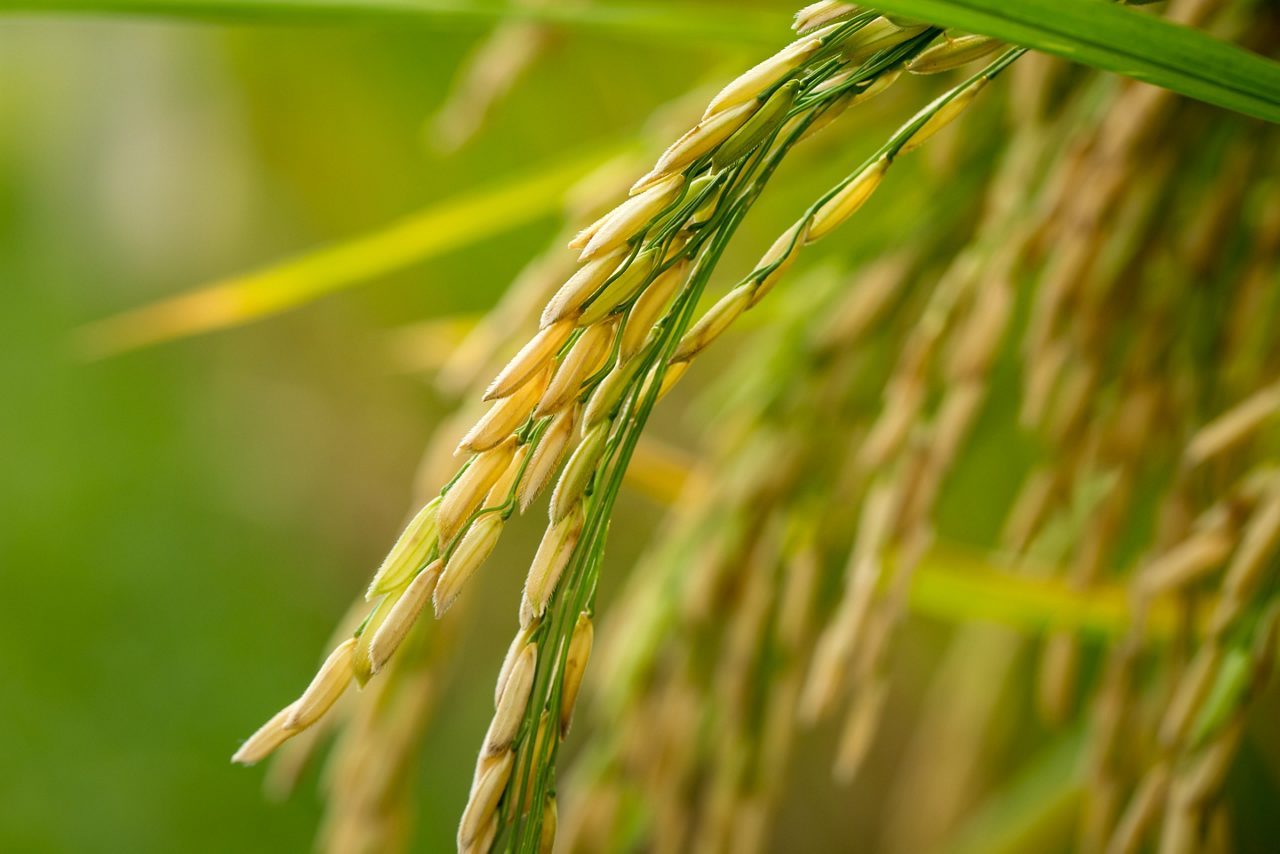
(1116, 38)
(439, 228)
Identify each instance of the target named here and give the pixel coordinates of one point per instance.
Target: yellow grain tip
(330, 681)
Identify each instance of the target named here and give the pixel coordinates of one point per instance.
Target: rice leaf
(434, 230)
(1120, 39)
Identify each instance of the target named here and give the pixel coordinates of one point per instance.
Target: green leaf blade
(1118, 39)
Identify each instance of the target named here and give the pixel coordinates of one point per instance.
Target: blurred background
(182, 524)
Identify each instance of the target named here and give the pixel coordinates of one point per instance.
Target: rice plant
(1105, 304)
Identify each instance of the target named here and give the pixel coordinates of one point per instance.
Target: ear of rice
(713, 324)
(506, 415)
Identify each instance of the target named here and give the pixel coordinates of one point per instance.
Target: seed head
(945, 115)
(758, 128)
(518, 643)
(698, 141)
(547, 835)
(783, 254)
(818, 15)
(504, 486)
(625, 286)
(650, 306)
(492, 775)
(1234, 425)
(876, 36)
(609, 393)
(506, 415)
(268, 737)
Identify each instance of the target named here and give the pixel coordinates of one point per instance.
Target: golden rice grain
(506, 415)
(846, 202)
(575, 667)
(476, 546)
(547, 833)
(567, 302)
(880, 34)
(541, 347)
(554, 552)
(578, 472)
(266, 739)
(945, 115)
(818, 15)
(512, 701)
(698, 141)
(623, 287)
(632, 215)
(713, 324)
(950, 53)
(492, 775)
(518, 643)
(545, 459)
(648, 308)
(782, 254)
(402, 616)
(749, 85)
(583, 359)
(330, 681)
(409, 552)
(757, 129)
(466, 493)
